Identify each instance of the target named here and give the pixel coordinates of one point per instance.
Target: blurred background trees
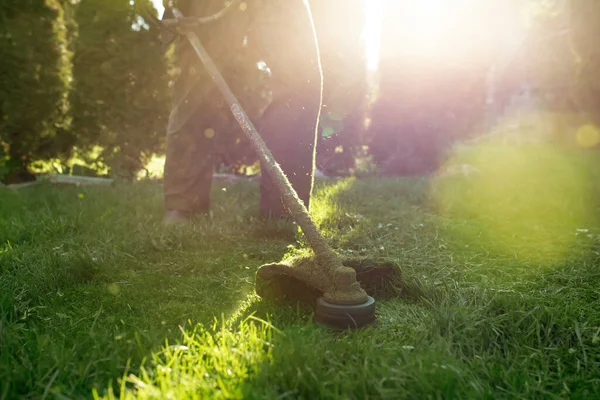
(568, 56)
(121, 94)
(35, 77)
(80, 78)
(432, 79)
(88, 82)
(559, 62)
(584, 21)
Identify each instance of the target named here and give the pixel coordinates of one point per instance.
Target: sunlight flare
(372, 32)
(528, 200)
(158, 4)
(462, 30)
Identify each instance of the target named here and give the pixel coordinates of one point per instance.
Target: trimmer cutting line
(341, 302)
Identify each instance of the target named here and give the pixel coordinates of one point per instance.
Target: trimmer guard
(295, 280)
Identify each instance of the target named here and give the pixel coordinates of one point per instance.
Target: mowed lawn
(501, 292)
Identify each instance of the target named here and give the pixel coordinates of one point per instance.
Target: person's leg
(196, 107)
(284, 36)
(188, 169)
(288, 128)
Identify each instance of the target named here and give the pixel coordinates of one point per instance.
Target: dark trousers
(281, 34)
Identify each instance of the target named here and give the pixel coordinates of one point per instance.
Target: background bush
(35, 77)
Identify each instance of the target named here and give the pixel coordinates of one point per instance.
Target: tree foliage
(121, 96)
(35, 74)
(584, 25)
(89, 74)
(566, 55)
(561, 59)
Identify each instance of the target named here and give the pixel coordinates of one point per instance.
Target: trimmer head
(285, 282)
(344, 317)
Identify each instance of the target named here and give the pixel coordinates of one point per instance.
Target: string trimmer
(341, 302)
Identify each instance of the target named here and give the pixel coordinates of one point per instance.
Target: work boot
(174, 217)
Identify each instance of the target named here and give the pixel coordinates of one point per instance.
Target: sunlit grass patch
(209, 363)
(325, 208)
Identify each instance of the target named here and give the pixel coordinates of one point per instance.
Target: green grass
(98, 299)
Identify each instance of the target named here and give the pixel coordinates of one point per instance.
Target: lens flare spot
(209, 133)
(114, 289)
(525, 203)
(588, 136)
